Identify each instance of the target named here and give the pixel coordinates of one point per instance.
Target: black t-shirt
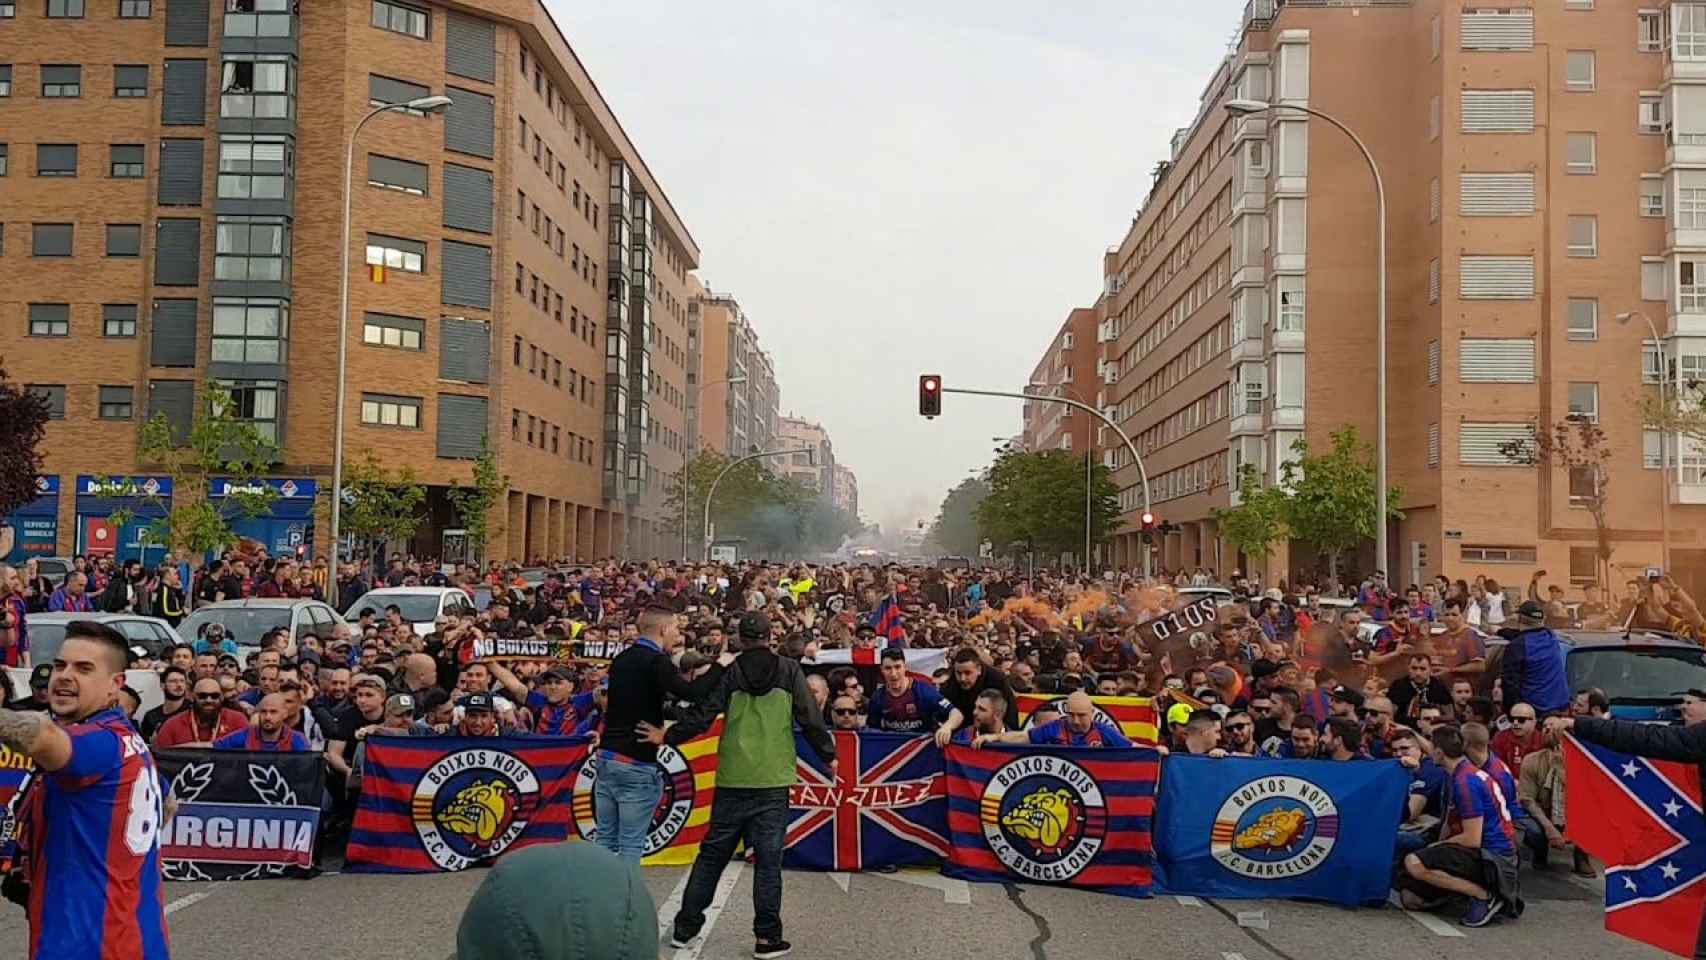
(1269, 727)
(964, 700)
(155, 718)
(208, 591)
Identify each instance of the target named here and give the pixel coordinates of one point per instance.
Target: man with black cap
(1533, 670)
(763, 697)
(37, 700)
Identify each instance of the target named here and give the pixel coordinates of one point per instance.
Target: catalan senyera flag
(1135, 716)
(683, 813)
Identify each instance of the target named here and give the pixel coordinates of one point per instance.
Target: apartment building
(1068, 368)
(1544, 175)
(846, 495)
(740, 410)
(814, 469)
(171, 180)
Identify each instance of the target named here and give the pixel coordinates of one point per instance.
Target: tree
(955, 529)
(473, 504)
(1578, 447)
(218, 443)
(23, 425)
(1333, 498)
(772, 513)
(1038, 499)
(380, 506)
(1258, 521)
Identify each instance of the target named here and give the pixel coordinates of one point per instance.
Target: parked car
(54, 569)
(246, 621)
(1221, 595)
(420, 606)
(1643, 673)
(47, 632)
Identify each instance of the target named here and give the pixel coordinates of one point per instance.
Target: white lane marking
(672, 906)
(1429, 922)
(840, 879)
(1231, 956)
(186, 901)
(1189, 902)
(953, 889)
(725, 886)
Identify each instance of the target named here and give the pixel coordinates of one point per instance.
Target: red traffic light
(929, 395)
(1148, 519)
(930, 384)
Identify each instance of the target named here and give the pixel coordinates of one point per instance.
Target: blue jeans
(624, 799)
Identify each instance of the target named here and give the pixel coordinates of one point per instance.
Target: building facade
(814, 470)
(1068, 368)
(740, 411)
(173, 192)
(846, 495)
(1543, 177)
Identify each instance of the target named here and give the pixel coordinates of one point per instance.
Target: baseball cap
(400, 703)
(1531, 612)
(215, 630)
(692, 660)
(477, 702)
(559, 673)
(367, 680)
(1345, 694)
(40, 675)
(754, 626)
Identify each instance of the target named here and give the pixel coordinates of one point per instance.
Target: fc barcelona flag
(16, 769)
(1643, 818)
(1134, 716)
(886, 804)
(1077, 816)
(683, 813)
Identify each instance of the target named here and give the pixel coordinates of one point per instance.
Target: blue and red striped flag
(1076, 816)
(16, 769)
(886, 619)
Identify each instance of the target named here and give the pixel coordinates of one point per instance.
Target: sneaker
(678, 941)
(1482, 912)
(765, 950)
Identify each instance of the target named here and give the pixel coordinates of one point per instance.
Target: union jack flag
(886, 804)
(1643, 818)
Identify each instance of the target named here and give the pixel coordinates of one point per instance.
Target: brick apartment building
(171, 182)
(732, 418)
(1068, 368)
(815, 470)
(1545, 171)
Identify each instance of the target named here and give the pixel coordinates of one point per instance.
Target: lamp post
(1088, 466)
(437, 104)
(1244, 107)
(693, 445)
(1664, 437)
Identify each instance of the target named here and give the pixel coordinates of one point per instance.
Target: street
(911, 914)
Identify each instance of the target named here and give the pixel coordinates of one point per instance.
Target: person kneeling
(1477, 858)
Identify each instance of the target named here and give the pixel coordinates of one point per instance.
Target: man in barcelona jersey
(92, 821)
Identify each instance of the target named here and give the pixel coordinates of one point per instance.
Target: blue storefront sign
(32, 530)
(287, 526)
(146, 497)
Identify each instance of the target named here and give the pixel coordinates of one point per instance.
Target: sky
(892, 188)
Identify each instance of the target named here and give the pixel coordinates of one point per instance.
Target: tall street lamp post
(693, 446)
(1664, 438)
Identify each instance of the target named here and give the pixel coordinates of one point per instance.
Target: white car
(420, 606)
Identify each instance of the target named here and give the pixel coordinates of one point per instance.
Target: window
(1652, 278)
(385, 330)
(1495, 360)
(396, 253)
(1434, 118)
(1584, 402)
(1649, 31)
(1650, 113)
(386, 411)
(258, 18)
(1583, 319)
(1433, 280)
(5, 79)
(116, 402)
(1433, 362)
(50, 319)
(65, 9)
(394, 174)
(383, 90)
(1507, 554)
(1581, 153)
(1652, 196)
(8, 9)
(1691, 285)
(1579, 69)
(255, 402)
(1584, 566)
(252, 248)
(130, 81)
(56, 159)
(125, 161)
(124, 240)
(1290, 319)
(400, 18)
(259, 86)
(1690, 200)
(1652, 458)
(4, 152)
(1584, 485)
(54, 394)
(61, 80)
(118, 319)
(51, 239)
(250, 329)
(1433, 444)
(1584, 236)
(1650, 365)
(254, 168)
(135, 9)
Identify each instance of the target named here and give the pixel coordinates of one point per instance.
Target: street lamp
(423, 105)
(1664, 437)
(1244, 107)
(1089, 466)
(693, 445)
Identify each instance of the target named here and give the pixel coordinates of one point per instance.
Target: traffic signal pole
(1142, 472)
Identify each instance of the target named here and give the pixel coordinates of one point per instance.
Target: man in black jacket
(629, 783)
(969, 677)
(1684, 744)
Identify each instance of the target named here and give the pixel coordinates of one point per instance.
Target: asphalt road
(914, 914)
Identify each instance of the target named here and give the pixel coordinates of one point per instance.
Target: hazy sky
(891, 188)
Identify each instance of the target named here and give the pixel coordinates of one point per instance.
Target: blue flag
(1248, 828)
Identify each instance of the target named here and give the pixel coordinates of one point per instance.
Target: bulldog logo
(473, 805)
(1044, 817)
(480, 812)
(1276, 827)
(1048, 819)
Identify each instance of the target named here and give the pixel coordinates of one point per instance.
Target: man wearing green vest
(763, 696)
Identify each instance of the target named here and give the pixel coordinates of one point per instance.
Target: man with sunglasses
(1377, 727)
(207, 719)
(1522, 738)
(1240, 737)
(845, 713)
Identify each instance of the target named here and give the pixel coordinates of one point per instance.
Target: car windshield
(245, 625)
(45, 641)
(416, 607)
(1635, 674)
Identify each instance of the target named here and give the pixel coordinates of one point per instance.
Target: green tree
(380, 506)
(473, 504)
(1258, 521)
(955, 531)
(1333, 498)
(1038, 499)
(1577, 446)
(23, 425)
(191, 524)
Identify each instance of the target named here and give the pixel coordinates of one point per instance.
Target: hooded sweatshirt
(762, 696)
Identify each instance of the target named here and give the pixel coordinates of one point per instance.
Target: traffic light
(1148, 520)
(929, 395)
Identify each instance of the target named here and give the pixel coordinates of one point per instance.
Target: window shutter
(177, 252)
(389, 90)
(1433, 362)
(180, 173)
(1433, 280)
(1498, 111)
(1496, 360)
(1496, 278)
(467, 274)
(464, 350)
(172, 339)
(467, 198)
(470, 47)
(1496, 195)
(1478, 444)
(468, 123)
(1433, 444)
(186, 23)
(183, 101)
(461, 425)
(400, 173)
(175, 399)
(1498, 30)
(1433, 200)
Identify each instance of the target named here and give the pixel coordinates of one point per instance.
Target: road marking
(672, 906)
(1189, 901)
(725, 886)
(1231, 956)
(1429, 922)
(186, 901)
(953, 889)
(840, 879)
